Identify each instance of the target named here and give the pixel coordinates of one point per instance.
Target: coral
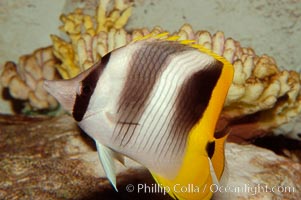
(25, 80)
(261, 94)
(259, 86)
(89, 35)
(261, 97)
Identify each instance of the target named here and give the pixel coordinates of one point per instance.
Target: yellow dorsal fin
(166, 36)
(160, 36)
(163, 35)
(187, 42)
(173, 38)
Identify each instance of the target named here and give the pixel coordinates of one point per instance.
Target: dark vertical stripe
(199, 89)
(146, 68)
(193, 100)
(88, 85)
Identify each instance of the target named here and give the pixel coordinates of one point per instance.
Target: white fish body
(143, 101)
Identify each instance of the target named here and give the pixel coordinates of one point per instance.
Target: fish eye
(86, 89)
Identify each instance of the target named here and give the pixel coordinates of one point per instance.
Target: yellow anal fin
(180, 191)
(164, 183)
(193, 180)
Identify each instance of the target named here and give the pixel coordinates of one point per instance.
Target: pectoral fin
(106, 156)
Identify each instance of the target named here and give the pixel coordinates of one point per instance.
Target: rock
(258, 173)
(50, 158)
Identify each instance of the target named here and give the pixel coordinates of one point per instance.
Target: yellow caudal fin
(218, 158)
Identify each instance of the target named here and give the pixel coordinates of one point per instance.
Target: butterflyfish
(157, 101)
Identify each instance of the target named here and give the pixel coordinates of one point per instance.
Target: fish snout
(64, 91)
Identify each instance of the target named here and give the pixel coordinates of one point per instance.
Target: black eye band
(87, 90)
(88, 86)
